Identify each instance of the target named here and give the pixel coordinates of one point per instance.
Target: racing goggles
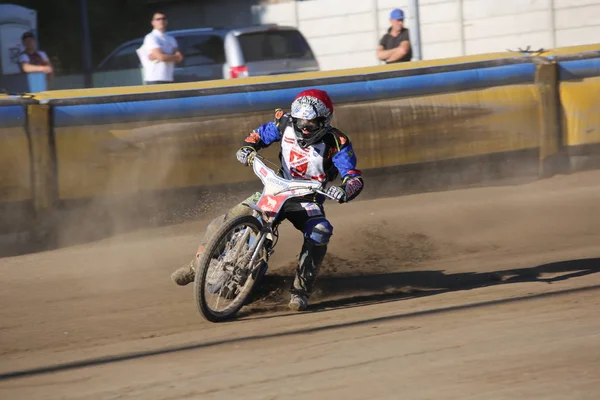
(311, 125)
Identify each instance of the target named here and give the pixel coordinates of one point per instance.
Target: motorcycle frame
(276, 192)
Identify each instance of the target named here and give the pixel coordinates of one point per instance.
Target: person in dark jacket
(394, 46)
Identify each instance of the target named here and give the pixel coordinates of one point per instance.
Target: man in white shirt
(32, 59)
(159, 53)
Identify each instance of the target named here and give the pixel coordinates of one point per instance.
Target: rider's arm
(345, 161)
(268, 133)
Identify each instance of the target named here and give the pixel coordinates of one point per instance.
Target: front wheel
(224, 278)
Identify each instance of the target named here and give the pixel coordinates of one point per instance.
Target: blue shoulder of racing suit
(344, 157)
(268, 133)
(344, 160)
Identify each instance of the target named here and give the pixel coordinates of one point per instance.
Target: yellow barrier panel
(15, 172)
(122, 159)
(441, 127)
(581, 112)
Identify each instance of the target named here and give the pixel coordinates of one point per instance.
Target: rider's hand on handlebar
(337, 193)
(243, 154)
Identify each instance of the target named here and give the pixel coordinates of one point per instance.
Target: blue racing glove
(244, 153)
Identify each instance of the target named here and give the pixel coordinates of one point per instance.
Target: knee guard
(318, 231)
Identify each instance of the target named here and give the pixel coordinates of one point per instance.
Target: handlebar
(318, 191)
(325, 194)
(260, 157)
(252, 156)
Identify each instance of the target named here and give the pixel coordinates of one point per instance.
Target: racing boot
(184, 275)
(311, 257)
(298, 302)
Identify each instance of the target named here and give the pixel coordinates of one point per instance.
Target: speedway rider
(310, 149)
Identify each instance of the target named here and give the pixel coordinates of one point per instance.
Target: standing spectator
(32, 59)
(161, 53)
(394, 46)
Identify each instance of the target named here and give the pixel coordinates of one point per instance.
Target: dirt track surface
(482, 293)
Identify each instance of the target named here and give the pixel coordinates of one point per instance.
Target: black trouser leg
(310, 260)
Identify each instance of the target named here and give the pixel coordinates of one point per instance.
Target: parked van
(217, 53)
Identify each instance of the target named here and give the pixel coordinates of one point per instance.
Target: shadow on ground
(402, 285)
(346, 291)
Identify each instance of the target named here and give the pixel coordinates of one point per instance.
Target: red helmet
(312, 111)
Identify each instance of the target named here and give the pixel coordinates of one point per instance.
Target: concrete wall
(345, 33)
(577, 22)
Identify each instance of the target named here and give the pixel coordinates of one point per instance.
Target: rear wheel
(224, 278)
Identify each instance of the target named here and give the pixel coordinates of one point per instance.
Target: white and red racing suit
(333, 155)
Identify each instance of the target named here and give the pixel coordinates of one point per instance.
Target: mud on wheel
(224, 278)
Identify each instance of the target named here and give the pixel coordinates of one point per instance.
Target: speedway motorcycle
(235, 257)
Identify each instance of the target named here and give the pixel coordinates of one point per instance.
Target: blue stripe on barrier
(579, 69)
(366, 90)
(11, 116)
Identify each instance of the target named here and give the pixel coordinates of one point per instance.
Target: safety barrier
(123, 143)
(154, 142)
(579, 93)
(15, 180)
(16, 167)
(496, 108)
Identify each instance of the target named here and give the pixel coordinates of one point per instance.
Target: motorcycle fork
(260, 243)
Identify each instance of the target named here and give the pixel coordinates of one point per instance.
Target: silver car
(215, 53)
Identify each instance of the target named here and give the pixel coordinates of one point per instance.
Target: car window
(271, 45)
(126, 58)
(201, 50)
